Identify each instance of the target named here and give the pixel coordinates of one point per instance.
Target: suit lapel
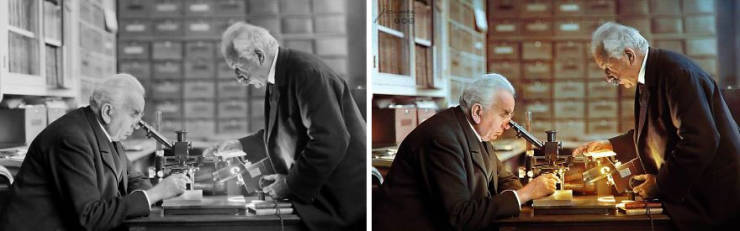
(274, 96)
(473, 144)
(643, 97)
(122, 171)
(103, 144)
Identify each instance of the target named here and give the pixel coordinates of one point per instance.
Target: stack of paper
(261, 208)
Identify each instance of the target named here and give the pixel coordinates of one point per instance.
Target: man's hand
(540, 187)
(171, 186)
(229, 145)
(649, 188)
(278, 188)
(595, 146)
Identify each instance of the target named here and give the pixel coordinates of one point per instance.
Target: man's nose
(506, 125)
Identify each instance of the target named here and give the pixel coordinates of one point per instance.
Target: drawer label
(166, 7)
(505, 27)
(136, 27)
(200, 27)
(199, 7)
(570, 27)
(133, 50)
(503, 50)
(536, 7)
(570, 7)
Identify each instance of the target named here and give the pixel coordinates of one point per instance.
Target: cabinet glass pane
(23, 14)
(393, 54)
(54, 66)
(52, 21)
(24, 54)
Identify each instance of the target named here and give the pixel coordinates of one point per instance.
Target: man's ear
(105, 113)
(630, 53)
(260, 55)
(476, 111)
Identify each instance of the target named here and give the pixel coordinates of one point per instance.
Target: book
(263, 212)
(642, 205)
(270, 204)
(641, 211)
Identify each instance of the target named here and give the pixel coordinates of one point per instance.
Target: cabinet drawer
(601, 89)
(537, 50)
(602, 126)
(665, 7)
(167, 90)
(200, 69)
(133, 50)
(201, 28)
(672, 45)
(503, 8)
(167, 70)
(171, 109)
(166, 50)
(223, 71)
(633, 7)
(331, 46)
(270, 24)
(232, 109)
(391, 125)
(200, 128)
(708, 64)
(540, 110)
(642, 24)
(199, 7)
(135, 28)
(330, 24)
(233, 126)
(297, 25)
(537, 28)
(230, 7)
(602, 109)
(569, 27)
(570, 50)
(568, 8)
(166, 8)
(509, 69)
(593, 71)
(698, 6)
(600, 7)
(665, 25)
(168, 27)
(700, 24)
(199, 90)
(231, 89)
(703, 46)
(569, 90)
(503, 27)
(537, 70)
(200, 50)
(139, 69)
(628, 108)
(538, 90)
(198, 109)
(134, 8)
(569, 69)
(565, 109)
(503, 50)
(570, 129)
(536, 8)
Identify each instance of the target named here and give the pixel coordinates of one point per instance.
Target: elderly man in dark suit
(314, 133)
(76, 175)
(446, 176)
(685, 136)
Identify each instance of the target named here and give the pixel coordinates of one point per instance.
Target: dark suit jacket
(686, 135)
(316, 135)
(442, 179)
(72, 179)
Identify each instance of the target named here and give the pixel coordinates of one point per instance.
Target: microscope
(180, 160)
(549, 162)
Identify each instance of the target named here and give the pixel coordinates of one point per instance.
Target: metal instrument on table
(180, 160)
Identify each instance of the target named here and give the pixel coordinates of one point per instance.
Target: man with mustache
(446, 176)
(684, 135)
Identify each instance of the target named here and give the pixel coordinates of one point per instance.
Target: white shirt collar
(641, 75)
(271, 74)
(104, 131)
(474, 131)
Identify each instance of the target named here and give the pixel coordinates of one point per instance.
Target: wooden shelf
(423, 42)
(22, 32)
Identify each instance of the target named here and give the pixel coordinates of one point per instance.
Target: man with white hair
(445, 175)
(76, 175)
(314, 133)
(685, 136)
